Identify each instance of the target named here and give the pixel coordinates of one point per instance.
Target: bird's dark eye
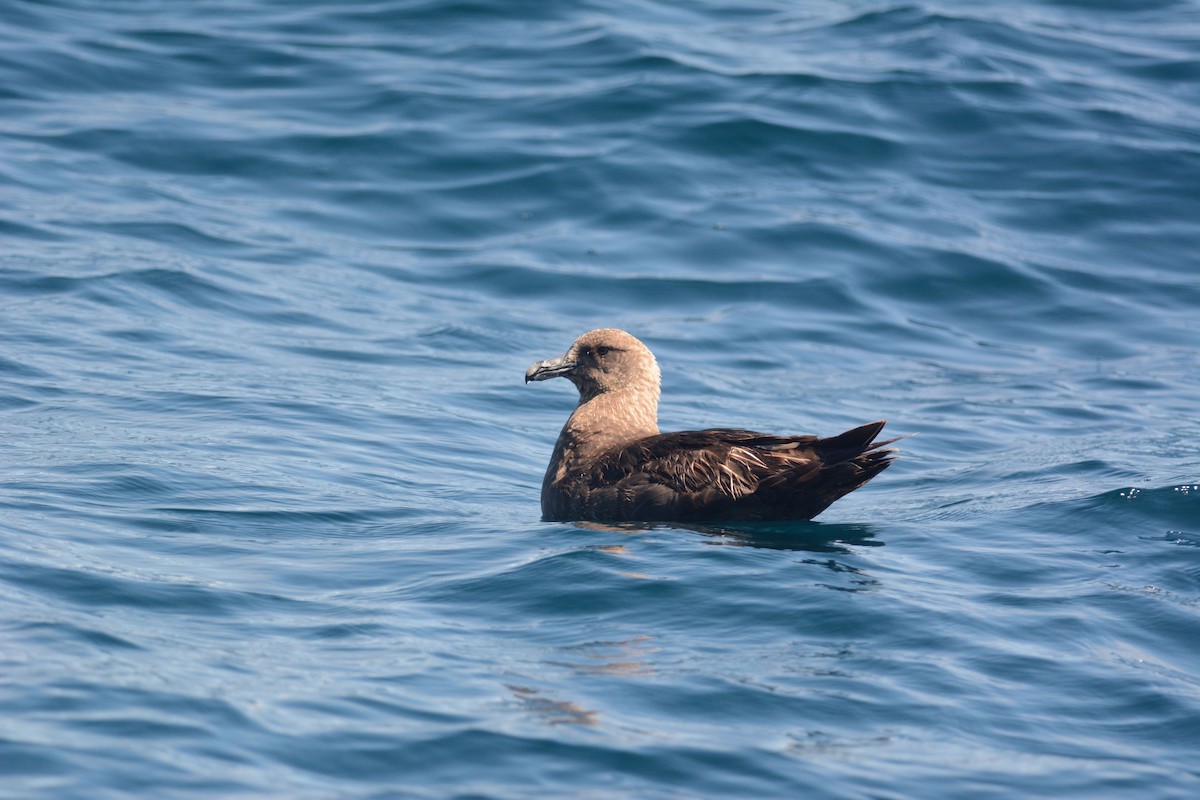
(603, 351)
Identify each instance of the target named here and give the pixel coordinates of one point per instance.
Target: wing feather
(734, 462)
(726, 474)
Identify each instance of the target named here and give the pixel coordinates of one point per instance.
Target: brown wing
(691, 461)
(730, 474)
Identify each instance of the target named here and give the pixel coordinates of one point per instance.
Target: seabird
(611, 464)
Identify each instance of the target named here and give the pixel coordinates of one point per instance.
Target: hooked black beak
(550, 368)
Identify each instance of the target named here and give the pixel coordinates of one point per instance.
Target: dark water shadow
(801, 536)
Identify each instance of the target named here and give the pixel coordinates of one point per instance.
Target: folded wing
(727, 474)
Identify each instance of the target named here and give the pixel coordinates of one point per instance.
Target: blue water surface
(271, 273)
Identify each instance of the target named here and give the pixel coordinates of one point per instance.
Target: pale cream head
(601, 362)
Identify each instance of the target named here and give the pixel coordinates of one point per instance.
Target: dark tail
(850, 460)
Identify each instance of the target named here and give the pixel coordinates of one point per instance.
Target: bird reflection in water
(552, 712)
(800, 536)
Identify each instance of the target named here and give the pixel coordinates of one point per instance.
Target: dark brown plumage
(610, 463)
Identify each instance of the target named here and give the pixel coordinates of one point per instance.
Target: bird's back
(718, 474)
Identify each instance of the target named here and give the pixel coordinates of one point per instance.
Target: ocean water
(270, 276)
